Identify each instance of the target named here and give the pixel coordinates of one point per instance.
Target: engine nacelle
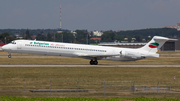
(132, 55)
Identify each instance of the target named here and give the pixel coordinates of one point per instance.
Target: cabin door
(19, 45)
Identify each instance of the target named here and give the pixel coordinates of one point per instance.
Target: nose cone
(4, 48)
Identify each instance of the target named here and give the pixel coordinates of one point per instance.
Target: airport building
(168, 46)
(171, 46)
(97, 33)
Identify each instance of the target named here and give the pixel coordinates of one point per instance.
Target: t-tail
(155, 44)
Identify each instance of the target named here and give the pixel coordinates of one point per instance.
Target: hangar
(171, 46)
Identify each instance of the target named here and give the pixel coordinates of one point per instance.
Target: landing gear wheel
(9, 56)
(93, 62)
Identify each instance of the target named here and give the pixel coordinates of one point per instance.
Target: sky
(89, 14)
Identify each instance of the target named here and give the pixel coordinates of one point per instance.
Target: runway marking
(89, 65)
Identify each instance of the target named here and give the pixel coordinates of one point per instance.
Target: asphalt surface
(89, 65)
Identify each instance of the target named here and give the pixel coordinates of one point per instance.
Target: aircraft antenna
(60, 16)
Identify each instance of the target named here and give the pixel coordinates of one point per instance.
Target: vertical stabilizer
(155, 44)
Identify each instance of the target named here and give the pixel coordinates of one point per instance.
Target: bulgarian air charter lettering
(38, 43)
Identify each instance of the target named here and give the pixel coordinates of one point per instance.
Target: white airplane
(91, 52)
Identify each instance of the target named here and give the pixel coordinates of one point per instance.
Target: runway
(89, 65)
(55, 57)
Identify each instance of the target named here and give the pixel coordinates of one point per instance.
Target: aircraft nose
(4, 47)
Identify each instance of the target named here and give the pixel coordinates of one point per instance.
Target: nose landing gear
(95, 62)
(9, 56)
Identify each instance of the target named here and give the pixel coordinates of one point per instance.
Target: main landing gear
(95, 62)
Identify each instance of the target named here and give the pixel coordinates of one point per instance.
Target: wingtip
(173, 39)
(164, 38)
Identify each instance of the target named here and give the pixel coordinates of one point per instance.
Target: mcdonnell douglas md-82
(91, 52)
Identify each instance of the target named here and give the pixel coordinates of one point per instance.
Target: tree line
(83, 36)
(166, 32)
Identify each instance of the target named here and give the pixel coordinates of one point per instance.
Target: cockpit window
(13, 42)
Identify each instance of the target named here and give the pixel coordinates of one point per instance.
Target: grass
(17, 81)
(88, 78)
(50, 99)
(172, 58)
(82, 99)
(139, 74)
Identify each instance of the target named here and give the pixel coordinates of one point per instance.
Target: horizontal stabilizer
(156, 43)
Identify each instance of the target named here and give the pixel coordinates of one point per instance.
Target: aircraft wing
(87, 56)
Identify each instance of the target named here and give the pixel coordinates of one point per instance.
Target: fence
(152, 89)
(55, 87)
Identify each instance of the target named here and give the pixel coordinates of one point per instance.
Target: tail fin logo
(153, 45)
